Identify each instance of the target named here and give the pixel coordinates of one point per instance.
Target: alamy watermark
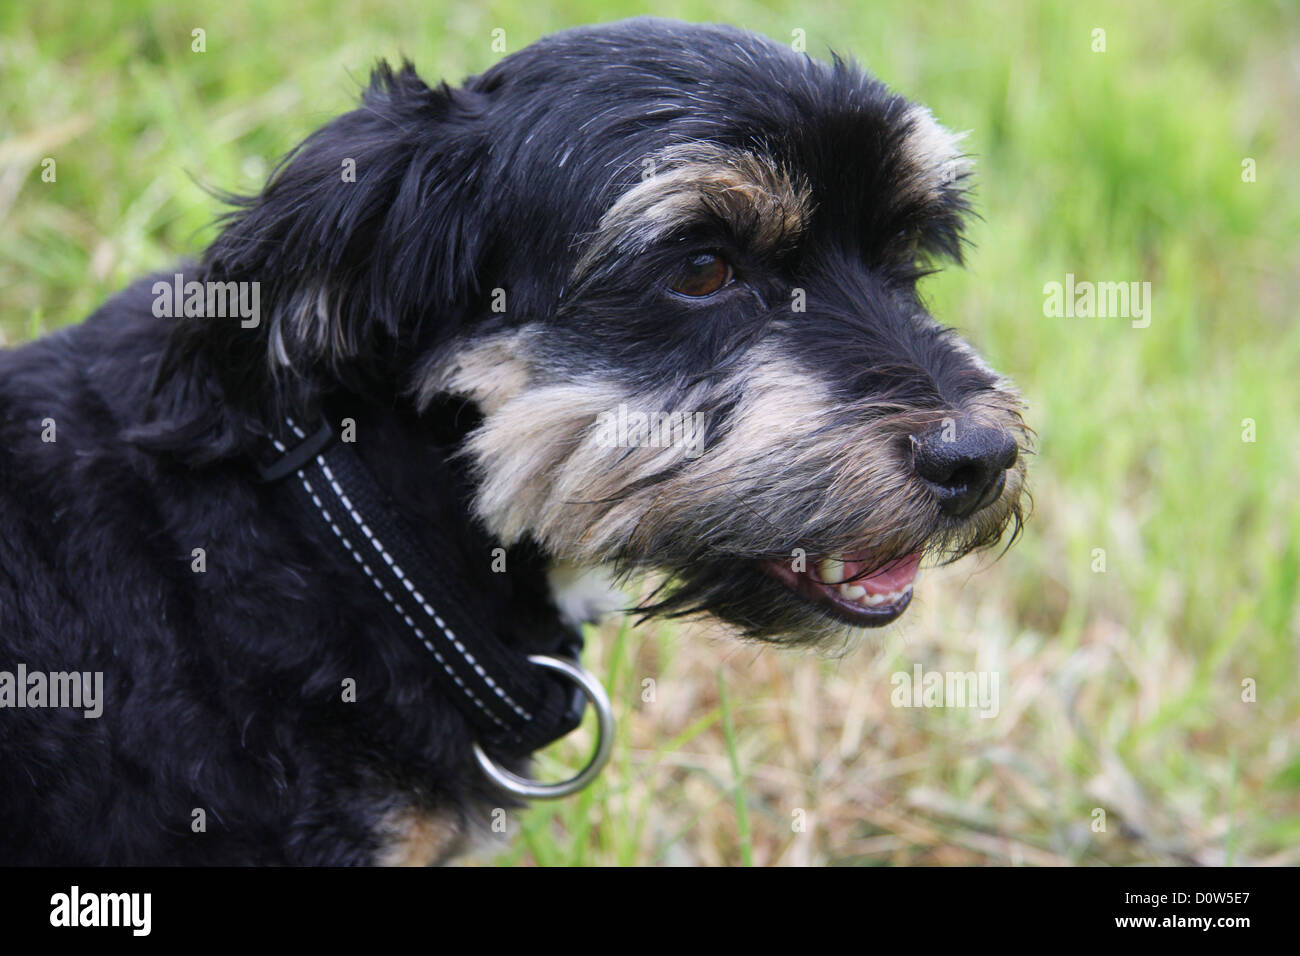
(621, 428)
(1098, 300)
(78, 690)
(133, 911)
(208, 300)
(922, 688)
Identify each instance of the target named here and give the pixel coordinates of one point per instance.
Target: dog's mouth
(838, 585)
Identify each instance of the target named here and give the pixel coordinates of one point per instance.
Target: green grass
(738, 776)
(1121, 690)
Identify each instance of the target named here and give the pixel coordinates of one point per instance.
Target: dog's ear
(370, 228)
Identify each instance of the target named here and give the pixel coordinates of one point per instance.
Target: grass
(1122, 689)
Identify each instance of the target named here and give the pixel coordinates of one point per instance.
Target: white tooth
(830, 570)
(854, 592)
(893, 597)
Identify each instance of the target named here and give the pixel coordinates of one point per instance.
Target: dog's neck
(397, 518)
(414, 460)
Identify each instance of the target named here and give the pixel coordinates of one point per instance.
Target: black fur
(223, 688)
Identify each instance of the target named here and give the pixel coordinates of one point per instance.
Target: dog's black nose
(964, 464)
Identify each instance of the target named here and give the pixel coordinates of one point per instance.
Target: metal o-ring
(535, 789)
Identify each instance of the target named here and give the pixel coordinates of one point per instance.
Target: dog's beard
(788, 477)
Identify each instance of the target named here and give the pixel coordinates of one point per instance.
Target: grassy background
(1120, 690)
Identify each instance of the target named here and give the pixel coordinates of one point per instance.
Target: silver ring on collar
(535, 789)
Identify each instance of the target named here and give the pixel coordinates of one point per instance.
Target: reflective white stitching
(384, 591)
(401, 576)
(415, 593)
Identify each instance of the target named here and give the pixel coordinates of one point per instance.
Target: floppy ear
(369, 229)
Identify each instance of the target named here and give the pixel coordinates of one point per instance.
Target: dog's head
(674, 269)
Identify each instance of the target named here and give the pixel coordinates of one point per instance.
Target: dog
(313, 522)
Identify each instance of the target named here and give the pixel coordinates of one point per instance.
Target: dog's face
(674, 268)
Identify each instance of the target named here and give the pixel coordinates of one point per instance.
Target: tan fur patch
(411, 837)
(492, 373)
(781, 405)
(690, 180)
(544, 472)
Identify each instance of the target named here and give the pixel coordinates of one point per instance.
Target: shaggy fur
(498, 276)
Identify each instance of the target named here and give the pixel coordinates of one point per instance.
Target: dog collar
(515, 703)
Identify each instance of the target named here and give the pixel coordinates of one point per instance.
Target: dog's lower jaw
(863, 600)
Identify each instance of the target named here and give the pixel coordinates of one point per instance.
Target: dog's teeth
(830, 570)
(855, 592)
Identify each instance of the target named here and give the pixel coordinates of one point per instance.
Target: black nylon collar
(514, 706)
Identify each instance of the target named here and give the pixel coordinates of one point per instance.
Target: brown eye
(702, 275)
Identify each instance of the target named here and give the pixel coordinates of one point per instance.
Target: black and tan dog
(640, 298)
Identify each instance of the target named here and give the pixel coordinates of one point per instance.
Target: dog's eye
(702, 276)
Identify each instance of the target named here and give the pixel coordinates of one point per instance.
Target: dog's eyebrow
(759, 200)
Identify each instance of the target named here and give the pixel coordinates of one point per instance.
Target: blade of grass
(742, 811)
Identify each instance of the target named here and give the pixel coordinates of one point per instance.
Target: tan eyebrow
(749, 191)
